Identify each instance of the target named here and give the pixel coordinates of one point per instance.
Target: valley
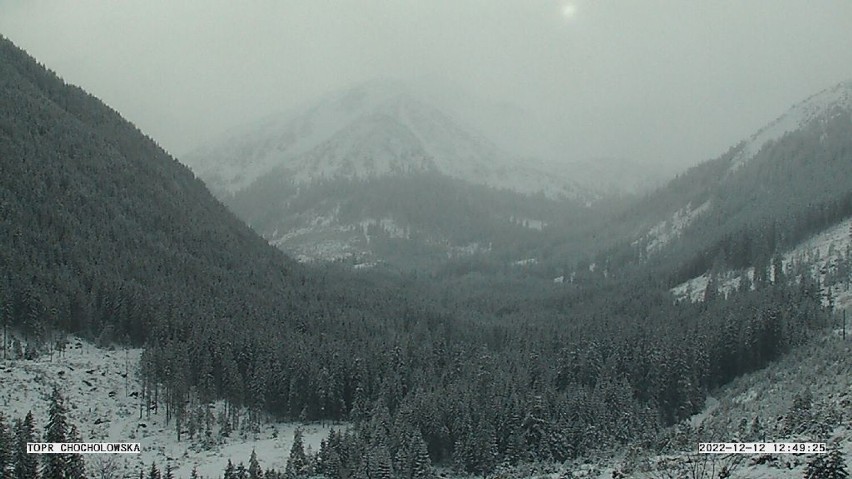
(389, 283)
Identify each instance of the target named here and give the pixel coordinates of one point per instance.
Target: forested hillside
(106, 235)
(412, 222)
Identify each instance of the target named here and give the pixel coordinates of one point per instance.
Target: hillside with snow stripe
(668, 230)
(101, 389)
(821, 369)
(820, 254)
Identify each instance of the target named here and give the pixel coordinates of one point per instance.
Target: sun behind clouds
(569, 10)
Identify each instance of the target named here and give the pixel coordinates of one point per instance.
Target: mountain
(786, 182)
(376, 173)
(376, 129)
(820, 108)
(613, 177)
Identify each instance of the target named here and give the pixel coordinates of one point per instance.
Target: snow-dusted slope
(819, 107)
(379, 128)
(101, 390)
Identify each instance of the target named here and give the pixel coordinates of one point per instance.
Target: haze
(661, 82)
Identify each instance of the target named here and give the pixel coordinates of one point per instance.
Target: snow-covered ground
(821, 252)
(101, 390)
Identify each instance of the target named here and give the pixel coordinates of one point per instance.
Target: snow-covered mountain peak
(378, 128)
(251, 151)
(821, 106)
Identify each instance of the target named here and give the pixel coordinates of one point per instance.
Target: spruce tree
(835, 465)
(831, 466)
(154, 473)
(757, 433)
(6, 448)
(254, 470)
(297, 464)
(229, 471)
(421, 465)
(815, 468)
(380, 462)
(57, 465)
(26, 465)
(76, 465)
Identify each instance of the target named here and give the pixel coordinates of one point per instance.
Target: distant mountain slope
(821, 107)
(418, 221)
(790, 180)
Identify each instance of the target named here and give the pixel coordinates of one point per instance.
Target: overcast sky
(655, 81)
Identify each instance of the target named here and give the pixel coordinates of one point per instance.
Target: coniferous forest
(105, 235)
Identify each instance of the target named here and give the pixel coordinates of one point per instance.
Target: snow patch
(387, 225)
(710, 405)
(531, 223)
(469, 249)
(526, 262)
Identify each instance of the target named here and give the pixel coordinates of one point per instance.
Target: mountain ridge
(783, 183)
(297, 144)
